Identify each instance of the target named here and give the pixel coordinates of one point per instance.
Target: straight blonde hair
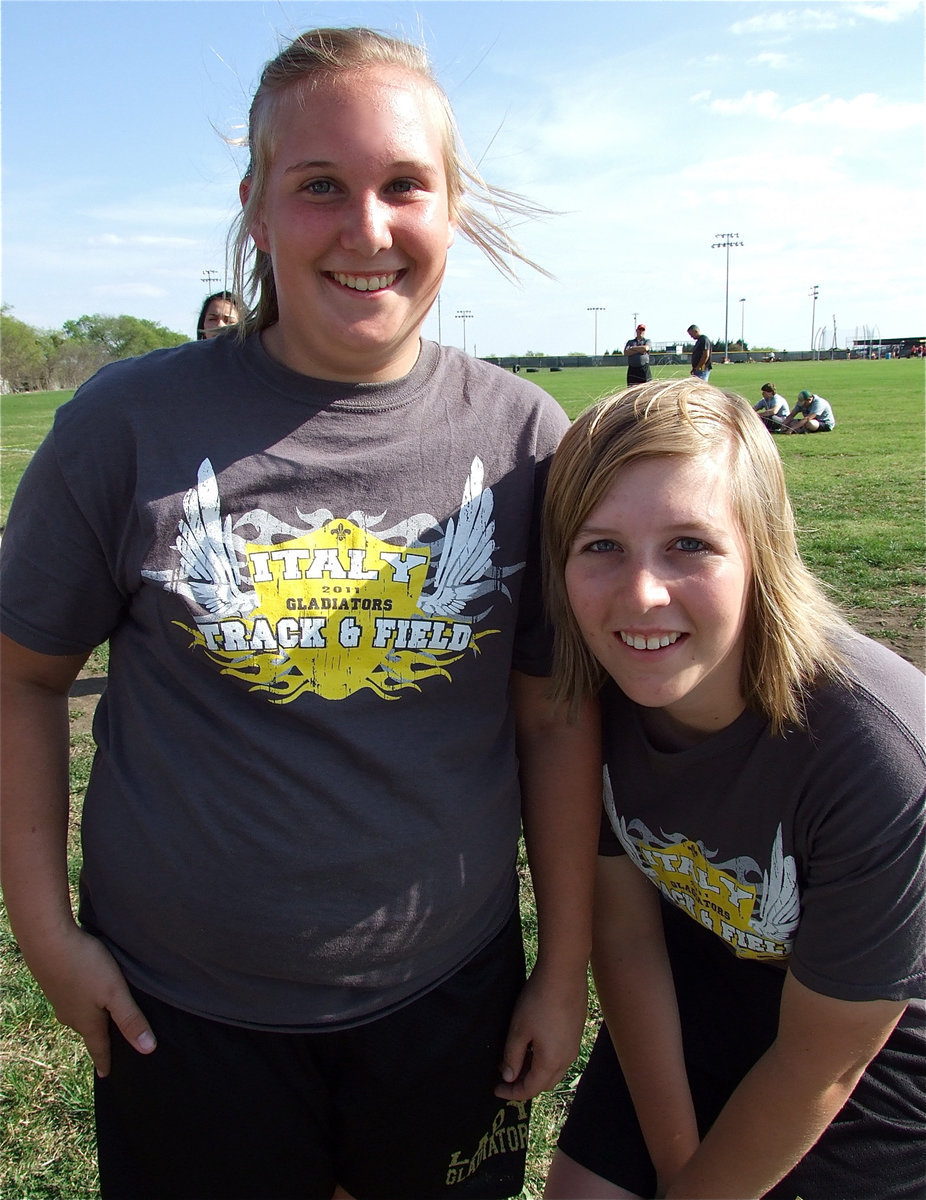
(793, 631)
(312, 59)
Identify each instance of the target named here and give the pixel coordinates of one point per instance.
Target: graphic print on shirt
(755, 911)
(338, 604)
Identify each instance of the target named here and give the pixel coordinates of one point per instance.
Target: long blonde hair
(314, 58)
(792, 629)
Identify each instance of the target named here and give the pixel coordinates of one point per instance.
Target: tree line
(51, 359)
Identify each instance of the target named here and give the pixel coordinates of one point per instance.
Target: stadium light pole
(596, 309)
(724, 242)
(814, 292)
(743, 324)
(465, 315)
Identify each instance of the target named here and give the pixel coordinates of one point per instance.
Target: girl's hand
(86, 988)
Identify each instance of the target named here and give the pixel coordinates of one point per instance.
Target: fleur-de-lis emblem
(341, 531)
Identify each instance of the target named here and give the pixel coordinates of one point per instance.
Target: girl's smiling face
(356, 220)
(658, 580)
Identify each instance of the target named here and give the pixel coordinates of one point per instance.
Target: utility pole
(724, 242)
(814, 292)
(210, 279)
(465, 315)
(596, 309)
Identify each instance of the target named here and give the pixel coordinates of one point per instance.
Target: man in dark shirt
(701, 362)
(637, 351)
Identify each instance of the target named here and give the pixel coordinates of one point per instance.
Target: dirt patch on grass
(899, 628)
(82, 700)
(895, 627)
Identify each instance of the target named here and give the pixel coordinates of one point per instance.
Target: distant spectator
(811, 414)
(638, 350)
(701, 361)
(773, 409)
(218, 311)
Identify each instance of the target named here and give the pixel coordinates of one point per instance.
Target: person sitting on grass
(773, 409)
(760, 920)
(811, 414)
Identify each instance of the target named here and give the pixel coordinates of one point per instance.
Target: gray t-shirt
(304, 806)
(807, 850)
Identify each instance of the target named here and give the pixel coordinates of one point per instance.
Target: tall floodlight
(814, 293)
(465, 315)
(743, 323)
(725, 241)
(596, 309)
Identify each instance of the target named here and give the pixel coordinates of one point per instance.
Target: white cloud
(793, 20)
(772, 60)
(129, 291)
(866, 112)
(886, 11)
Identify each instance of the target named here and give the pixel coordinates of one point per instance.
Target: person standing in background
(638, 350)
(701, 361)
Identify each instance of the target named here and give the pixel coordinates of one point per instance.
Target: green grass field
(858, 493)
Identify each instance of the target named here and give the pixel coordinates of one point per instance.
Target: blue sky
(650, 126)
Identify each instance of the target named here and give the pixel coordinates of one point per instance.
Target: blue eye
(319, 187)
(601, 546)
(690, 544)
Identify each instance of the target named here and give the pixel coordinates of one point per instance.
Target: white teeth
(366, 283)
(649, 643)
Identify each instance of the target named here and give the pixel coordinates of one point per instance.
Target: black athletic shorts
(729, 1013)
(400, 1108)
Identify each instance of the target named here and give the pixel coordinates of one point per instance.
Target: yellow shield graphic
(327, 599)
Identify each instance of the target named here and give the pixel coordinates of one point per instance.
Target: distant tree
(122, 336)
(534, 354)
(22, 360)
(71, 361)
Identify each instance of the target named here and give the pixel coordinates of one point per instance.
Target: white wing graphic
(780, 909)
(465, 569)
(206, 546)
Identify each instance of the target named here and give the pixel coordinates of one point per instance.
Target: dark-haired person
(219, 311)
(773, 409)
(701, 353)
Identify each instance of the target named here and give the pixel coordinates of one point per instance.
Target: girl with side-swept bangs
(760, 919)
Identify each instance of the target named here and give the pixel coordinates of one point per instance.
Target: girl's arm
(74, 970)
(560, 772)
(790, 1096)
(637, 995)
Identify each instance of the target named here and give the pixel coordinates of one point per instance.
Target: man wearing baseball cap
(638, 352)
(811, 414)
